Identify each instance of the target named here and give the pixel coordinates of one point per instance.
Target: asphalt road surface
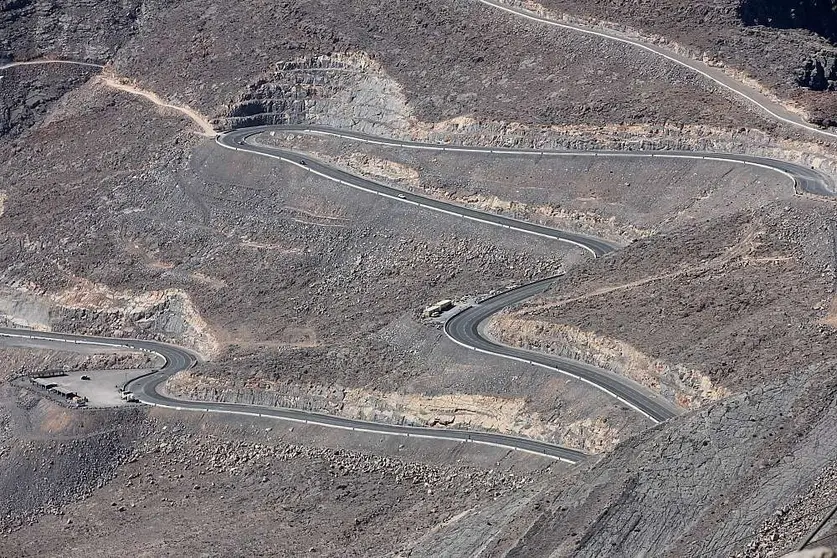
(146, 389)
(243, 140)
(802, 179)
(466, 327)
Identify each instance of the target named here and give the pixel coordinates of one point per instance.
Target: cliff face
(196, 51)
(341, 90)
(464, 59)
(685, 488)
(819, 73)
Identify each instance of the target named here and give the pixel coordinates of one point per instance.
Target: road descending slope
(751, 95)
(465, 328)
(147, 390)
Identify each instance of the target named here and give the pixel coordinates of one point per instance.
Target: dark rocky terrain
(30, 92)
(117, 219)
(473, 42)
(755, 298)
(77, 482)
(812, 15)
(736, 34)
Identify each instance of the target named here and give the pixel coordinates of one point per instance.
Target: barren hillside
(122, 218)
(793, 57)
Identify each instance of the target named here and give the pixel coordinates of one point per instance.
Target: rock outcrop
(819, 72)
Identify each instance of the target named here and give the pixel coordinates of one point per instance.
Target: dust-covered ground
(24, 361)
(731, 301)
(76, 482)
(621, 199)
(118, 219)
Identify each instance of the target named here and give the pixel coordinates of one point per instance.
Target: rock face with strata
(341, 90)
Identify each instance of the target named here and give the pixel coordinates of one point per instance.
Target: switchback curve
(146, 389)
(466, 327)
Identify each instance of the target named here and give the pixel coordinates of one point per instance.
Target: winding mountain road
(466, 328)
(147, 390)
(802, 179)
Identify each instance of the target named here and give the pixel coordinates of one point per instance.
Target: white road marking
(693, 65)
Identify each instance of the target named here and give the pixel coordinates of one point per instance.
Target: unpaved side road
(114, 82)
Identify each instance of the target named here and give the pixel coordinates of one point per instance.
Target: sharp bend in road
(466, 328)
(803, 179)
(146, 389)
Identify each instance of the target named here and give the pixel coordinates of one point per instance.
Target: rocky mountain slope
(119, 219)
(740, 35)
(813, 15)
(717, 482)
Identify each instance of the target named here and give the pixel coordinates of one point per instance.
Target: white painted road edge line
(556, 369)
(73, 341)
(399, 199)
(547, 153)
(38, 62)
(267, 414)
(728, 159)
(691, 65)
(357, 429)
